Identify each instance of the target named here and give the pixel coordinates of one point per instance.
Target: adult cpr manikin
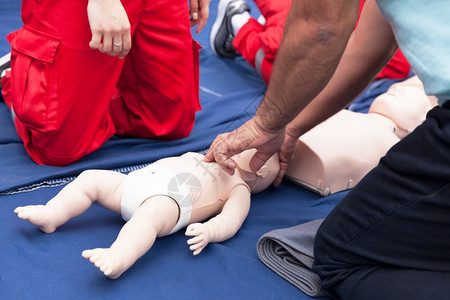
(338, 153)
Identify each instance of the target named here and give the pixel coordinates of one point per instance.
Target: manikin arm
(224, 225)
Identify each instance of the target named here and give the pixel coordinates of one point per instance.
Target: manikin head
(261, 179)
(405, 103)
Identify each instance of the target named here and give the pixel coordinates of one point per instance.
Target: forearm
(367, 52)
(229, 221)
(223, 226)
(314, 39)
(341, 91)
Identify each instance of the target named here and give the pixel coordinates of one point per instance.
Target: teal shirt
(422, 30)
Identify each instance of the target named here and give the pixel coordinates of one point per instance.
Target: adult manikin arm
(370, 47)
(315, 36)
(224, 225)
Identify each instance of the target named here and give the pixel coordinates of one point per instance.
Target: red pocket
(34, 78)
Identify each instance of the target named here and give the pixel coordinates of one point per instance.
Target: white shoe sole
(5, 59)
(221, 10)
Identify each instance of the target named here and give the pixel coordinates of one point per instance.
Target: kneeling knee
(326, 265)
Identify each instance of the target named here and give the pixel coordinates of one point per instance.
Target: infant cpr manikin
(338, 153)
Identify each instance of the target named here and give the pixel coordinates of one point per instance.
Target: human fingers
(120, 42)
(285, 155)
(121, 45)
(117, 46)
(109, 26)
(204, 15)
(107, 44)
(95, 40)
(126, 45)
(220, 153)
(243, 138)
(202, 21)
(280, 175)
(193, 12)
(270, 143)
(259, 159)
(209, 156)
(284, 165)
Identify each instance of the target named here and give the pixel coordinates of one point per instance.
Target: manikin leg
(154, 218)
(76, 198)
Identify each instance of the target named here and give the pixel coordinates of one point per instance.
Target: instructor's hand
(248, 136)
(285, 155)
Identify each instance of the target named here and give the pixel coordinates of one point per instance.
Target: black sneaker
(221, 35)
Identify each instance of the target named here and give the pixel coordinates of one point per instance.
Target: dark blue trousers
(389, 238)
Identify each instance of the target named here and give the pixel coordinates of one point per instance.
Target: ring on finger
(117, 44)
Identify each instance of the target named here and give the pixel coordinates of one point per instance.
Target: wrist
(262, 124)
(269, 117)
(292, 133)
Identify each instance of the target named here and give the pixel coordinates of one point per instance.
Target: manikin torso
(208, 184)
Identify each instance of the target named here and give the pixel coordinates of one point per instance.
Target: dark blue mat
(9, 21)
(35, 265)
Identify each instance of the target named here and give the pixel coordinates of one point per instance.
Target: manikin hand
(248, 136)
(110, 27)
(201, 237)
(285, 155)
(199, 13)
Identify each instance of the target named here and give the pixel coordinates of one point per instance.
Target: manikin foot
(107, 260)
(39, 215)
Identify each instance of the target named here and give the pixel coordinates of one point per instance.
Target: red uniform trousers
(258, 44)
(69, 99)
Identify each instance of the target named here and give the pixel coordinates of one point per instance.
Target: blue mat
(9, 21)
(36, 265)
